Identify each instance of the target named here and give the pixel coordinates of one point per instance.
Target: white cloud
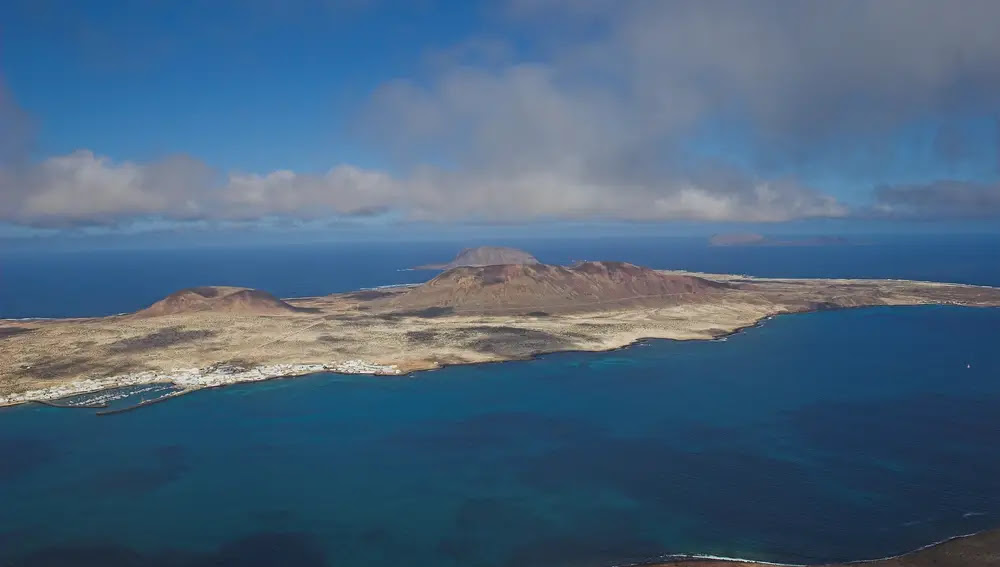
(344, 190)
(81, 188)
(597, 123)
(84, 187)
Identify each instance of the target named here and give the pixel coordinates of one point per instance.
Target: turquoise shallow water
(835, 435)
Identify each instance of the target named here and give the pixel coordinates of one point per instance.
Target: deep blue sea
(824, 436)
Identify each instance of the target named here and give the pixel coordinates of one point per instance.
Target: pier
(100, 405)
(145, 403)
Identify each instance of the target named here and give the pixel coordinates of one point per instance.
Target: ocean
(815, 437)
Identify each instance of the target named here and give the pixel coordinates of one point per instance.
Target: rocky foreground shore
(977, 550)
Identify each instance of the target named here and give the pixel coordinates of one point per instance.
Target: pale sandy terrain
(373, 332)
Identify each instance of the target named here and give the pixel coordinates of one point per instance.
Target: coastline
(371, 332)
(195, 379)
(704, 560)
(191, 380)
(261, 373)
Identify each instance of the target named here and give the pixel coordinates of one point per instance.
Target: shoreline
(264, 372)
(681, 558)
(193, 379)
(329, 369)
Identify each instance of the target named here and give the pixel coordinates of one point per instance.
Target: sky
(122, 117)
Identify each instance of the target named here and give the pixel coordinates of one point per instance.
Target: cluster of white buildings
(362, 367)
(194, 378)
(83, 386)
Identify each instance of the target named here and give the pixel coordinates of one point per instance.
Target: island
(213, 336)
(484, 256)
(754, 239)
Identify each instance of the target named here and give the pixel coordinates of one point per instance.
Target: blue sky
(119, 115)
(253, 89)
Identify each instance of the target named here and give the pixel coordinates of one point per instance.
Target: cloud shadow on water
(167, 464)
(22, 455)
(923, 453)
(265, 549)
(497, 429)
(771, 501)
(479, 523)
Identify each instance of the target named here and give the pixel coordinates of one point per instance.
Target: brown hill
(485, 256)
(218, 299)
(541, 287)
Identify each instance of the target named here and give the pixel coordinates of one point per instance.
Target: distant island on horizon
(216, 335)
(755, 239)
(484, 256)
